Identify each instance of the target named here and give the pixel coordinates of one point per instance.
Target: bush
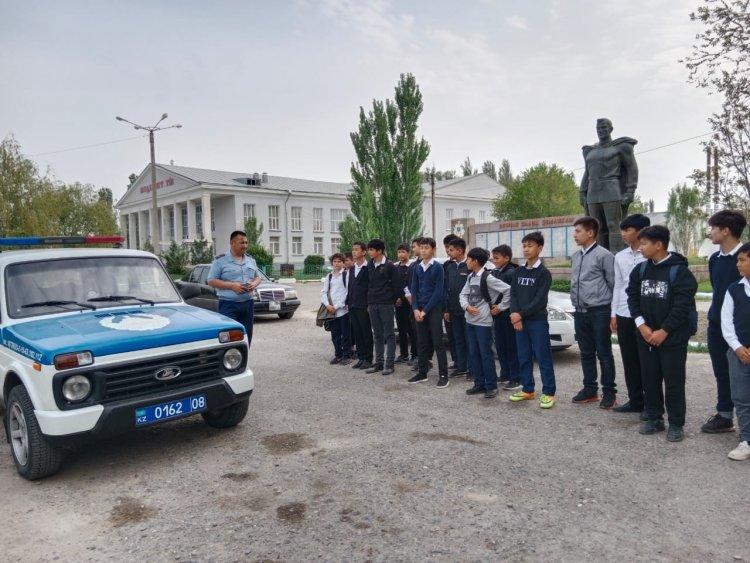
(263, 258)
(201, 252)
(175, 259)
(314, 263)
(147, 246)
(560, 285)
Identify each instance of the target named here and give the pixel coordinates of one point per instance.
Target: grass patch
(705, 287)
(694, 347)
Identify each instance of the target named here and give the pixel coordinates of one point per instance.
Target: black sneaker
(627, 407)
(717, 424)
(358, 365)
(457, 372)
(346, 361)
(419, 378)
(335, 360)
(443, 382)
(643, 416)
(375, 368)
(401, 360)
(475, 390)
(609, 400)
(388, 370)
(675, 433)
(512, 385)
(586, 396)
(490, 394)
(652, 427)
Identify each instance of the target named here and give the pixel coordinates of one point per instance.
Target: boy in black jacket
(404, 323)
(661, 299)
(505, 336)
(356, 300)
(456, 274)
(384, 290)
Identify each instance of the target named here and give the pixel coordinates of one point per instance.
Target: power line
(88, 146)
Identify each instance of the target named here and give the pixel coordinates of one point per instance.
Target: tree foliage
(720, 63)
(175, 259)
(685, 218)
(490, 168)
(201, 252)
(540, 191)
(439, 175)
(504, 173)
(640, 206)
(263, 257)
(254, 231)
(466, 168)
(386, 196)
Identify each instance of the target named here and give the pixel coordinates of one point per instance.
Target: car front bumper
(562, 334)
(286, 306)
(119, 417)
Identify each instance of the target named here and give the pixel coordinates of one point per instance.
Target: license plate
(274, 306)
(167, 411)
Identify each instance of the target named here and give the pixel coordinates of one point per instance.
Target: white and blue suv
(97, 341)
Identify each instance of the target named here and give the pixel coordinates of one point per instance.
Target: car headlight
(232, 359)
(76, 388)
(290, 294)
(555, 314)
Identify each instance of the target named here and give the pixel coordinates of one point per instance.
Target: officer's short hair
(236, 234)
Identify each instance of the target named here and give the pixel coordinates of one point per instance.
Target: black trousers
(362, 332)
(663, 371)
(406, 331)
(717, 348)
(430, 339)
(627, 337)
(451, 344)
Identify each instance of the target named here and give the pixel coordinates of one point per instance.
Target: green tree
(504, 173)
(253, 230)
(490, 169)
(439, 175)
(201, 252)
(386, 196)
(175, 259)
(641, 206)
(466, 168)
(541, 191)
(263, 257)
(685, 217)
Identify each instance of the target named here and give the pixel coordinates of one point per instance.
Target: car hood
(106, 332)
(561, 301)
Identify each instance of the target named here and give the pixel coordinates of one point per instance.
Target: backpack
(323, 318)
(673, 270)
(485, 290)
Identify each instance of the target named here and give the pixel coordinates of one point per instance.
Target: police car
(97, 341)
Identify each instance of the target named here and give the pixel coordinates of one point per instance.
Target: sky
(277, 86)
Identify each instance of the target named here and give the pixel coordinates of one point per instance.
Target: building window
(199, 220)
(248, 211)
(274, 246)
(296, 218)
(213, 219)
(171, 223)
(297, 246)
(337, 217)
(335, 243)
(482, 216)
(184, 213)
(273, 217)
(318, 221)
(467, 213)
(318, 245)
(448, 219)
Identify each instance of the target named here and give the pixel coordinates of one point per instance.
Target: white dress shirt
(358, 267)
(428, 264)
(338, 292)
(727, 317)
(625, 261)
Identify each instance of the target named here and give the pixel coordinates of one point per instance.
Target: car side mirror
(190, 291)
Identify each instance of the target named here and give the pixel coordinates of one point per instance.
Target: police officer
(235, 276)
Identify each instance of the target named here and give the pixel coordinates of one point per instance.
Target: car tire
(286, 315)
(227, 417)
(35, 457)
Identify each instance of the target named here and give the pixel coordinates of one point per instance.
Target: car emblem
(167, 373)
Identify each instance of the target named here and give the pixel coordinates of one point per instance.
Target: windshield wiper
(58, 303)
(120, 298)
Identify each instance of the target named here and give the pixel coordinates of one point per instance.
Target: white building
(299, 217)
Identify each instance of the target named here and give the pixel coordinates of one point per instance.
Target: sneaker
(366, 365)
(375, 368)
(512, 385)
(741, 452)
(358, 364)
(652, 427)
(643, 416)
(586, 396)
(475, 391)
(335, 360)
(546, 401)
(627, 407)
(346, 361)
(490, 394)
(609, 400)
(522, 396)
(717, 424)
(675, 433)
(443, 382)
(388, 370)
(457, 372)
(401, 360)
(419, 378)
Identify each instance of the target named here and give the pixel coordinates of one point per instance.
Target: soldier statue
(609, 183)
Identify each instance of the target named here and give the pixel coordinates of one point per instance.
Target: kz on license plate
(166, 411)
(274, 306)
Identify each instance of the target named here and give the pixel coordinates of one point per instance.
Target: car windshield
(73, 284)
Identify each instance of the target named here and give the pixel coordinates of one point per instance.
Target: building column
(191, 219)
(165, 237)
(124, 227)
(142, 229)
(132, 219)
(177, 223)
(206, 212)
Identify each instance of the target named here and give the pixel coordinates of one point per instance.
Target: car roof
(27, 255)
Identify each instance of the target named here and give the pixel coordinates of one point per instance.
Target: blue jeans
(481, 358)
(739, 375)
(505, 343)
(533, 342)
(595, 340)
(458, 326)
(240, 311)
(342, 346)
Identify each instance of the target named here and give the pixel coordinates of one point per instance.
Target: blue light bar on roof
(38, 241)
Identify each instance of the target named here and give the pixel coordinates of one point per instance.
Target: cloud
(517, 22)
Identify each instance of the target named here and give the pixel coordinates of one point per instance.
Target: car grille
(136, 379)
(271, 294)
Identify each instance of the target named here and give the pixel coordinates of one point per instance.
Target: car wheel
(33, 455)
(286, 315)
(227, 417)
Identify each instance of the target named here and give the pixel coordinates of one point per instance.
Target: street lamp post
(154, 215)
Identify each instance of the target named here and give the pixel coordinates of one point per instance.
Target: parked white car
(560, 314)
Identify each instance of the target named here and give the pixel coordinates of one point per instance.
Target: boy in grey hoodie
(480, 293)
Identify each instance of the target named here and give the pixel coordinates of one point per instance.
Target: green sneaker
(547, 401)
(522, 396)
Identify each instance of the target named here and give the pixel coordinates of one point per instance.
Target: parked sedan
(271, 298)
(560, 310)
